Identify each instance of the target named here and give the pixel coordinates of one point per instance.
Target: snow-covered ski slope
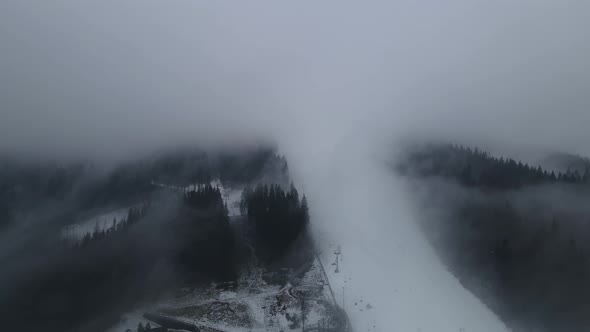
(390, 278)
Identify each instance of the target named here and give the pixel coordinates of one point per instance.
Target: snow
(358, 204)
(131, 320)
(99, 222)
(231, 195)
(253, 305)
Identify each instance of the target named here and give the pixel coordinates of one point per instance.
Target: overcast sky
(109, 77)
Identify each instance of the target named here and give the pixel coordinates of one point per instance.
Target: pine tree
(304, 209)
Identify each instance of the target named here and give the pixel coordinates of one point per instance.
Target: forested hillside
(517, 235)
(29, 189)
(474, 167)
(177, 233)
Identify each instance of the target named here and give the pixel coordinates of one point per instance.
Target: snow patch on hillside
(231, 195)
(100, 222)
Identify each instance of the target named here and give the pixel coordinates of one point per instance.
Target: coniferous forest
(279, 219)
(514, 234)
(178, 235)
(477, 168)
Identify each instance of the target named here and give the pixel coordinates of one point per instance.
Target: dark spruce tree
(279, 218)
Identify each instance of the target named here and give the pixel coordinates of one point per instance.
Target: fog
(335, 83)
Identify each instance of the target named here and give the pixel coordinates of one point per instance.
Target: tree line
(475, 167)
(27, 186)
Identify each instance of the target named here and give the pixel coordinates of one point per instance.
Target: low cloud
(330, 82)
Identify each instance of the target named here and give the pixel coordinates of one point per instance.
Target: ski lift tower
(337, 253)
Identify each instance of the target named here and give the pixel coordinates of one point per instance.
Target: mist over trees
(179, 235)
(477, 168)
(27, 187)
(179, 239)
(514, 234)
